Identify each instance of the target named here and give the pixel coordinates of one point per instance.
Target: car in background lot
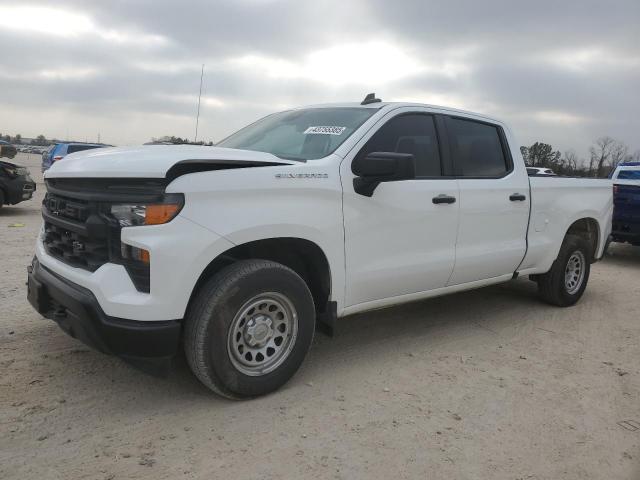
(31, 149)
(46, 152)
(61, 150)
(539, 171)
(7, 150)
(16, 185)
(626, 203)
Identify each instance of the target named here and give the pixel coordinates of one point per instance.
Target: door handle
(517, 197)
(442, 198)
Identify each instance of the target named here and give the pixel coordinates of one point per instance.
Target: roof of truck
(379, 105)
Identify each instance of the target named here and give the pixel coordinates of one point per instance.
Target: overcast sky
(562, 71)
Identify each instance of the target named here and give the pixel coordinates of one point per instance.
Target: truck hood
(156, 161)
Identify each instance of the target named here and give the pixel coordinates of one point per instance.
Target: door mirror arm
(378, 167)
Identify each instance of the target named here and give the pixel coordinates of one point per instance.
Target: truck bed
(556, 203)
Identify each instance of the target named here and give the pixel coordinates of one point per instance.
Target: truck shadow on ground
(623, 255)
(9, 212)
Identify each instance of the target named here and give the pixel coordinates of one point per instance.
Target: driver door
(398, 241)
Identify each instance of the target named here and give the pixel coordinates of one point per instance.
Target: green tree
(17, 139)
(542, 155)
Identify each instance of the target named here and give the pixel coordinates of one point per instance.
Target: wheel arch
(589, 229)
(303, 256)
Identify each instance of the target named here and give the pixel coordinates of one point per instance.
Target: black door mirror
(378, 167)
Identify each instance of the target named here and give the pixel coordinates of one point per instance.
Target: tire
(1, 198)
(239, 314)
(556, 286)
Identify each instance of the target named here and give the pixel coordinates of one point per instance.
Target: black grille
(80, 231)
(74, 248)
(75, 232)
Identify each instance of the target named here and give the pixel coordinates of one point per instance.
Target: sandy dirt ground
(489, 384)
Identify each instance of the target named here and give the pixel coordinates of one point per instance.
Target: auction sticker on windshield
(324, 130)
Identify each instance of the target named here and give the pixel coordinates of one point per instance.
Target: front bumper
(76, 310)
(180, 250)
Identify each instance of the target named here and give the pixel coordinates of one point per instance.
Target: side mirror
(378, 167)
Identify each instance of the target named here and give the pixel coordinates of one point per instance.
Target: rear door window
(476, 149)
(412, 133)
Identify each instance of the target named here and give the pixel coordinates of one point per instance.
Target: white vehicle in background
(301, 218)
(539, 171)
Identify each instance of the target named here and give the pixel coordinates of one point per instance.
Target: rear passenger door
(494, 201)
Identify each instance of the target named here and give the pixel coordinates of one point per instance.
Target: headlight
(134, 214)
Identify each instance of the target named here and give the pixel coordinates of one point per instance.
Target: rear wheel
(249, 328)
(1, 198)
(565, 283)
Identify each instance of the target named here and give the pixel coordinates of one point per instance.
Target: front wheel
(249, 328)
(565, 283)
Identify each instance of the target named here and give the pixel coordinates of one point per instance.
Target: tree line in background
(17, 139)
(604, 155)
(41, 140)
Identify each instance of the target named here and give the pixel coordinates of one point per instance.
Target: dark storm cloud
(564, 72)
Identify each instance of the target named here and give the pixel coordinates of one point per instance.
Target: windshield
(305, 134)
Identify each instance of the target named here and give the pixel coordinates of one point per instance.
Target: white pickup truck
(239, 250)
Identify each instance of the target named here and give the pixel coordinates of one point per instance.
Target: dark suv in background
(61, 150)
(16, 185)
(7, 150)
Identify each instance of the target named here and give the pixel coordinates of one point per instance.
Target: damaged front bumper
(149, 345)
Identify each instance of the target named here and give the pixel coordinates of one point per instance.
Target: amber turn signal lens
(144, 256)
(160, 213)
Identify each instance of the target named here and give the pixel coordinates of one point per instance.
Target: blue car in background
(626, 203)
(61, 150)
